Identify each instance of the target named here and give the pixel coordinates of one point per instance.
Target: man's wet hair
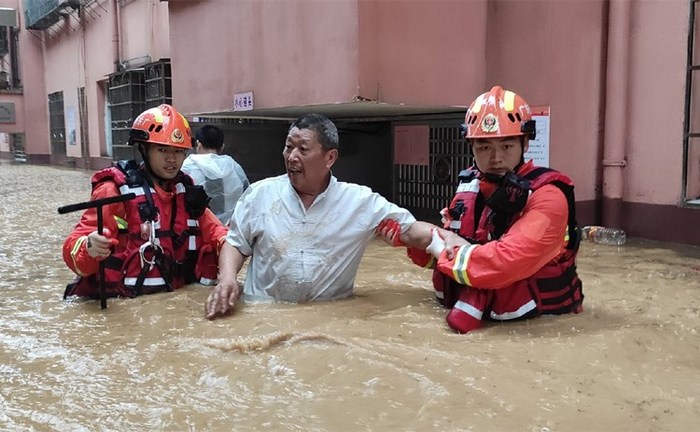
(210, 136)
(326, 130)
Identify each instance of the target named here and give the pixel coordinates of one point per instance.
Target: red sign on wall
(411, 145)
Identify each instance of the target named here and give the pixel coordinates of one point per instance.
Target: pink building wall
(288, 53)
(145, 30)
(552, 54)
(422, 53)
(658, 48)
(316, 52)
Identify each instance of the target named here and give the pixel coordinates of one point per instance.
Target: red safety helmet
(498, 113)
(162, 125)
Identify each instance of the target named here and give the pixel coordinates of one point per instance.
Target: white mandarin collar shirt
(300, 254)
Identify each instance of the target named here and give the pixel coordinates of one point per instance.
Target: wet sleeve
(75, 246)
(379, 208)
(213, 230)
(536, 238)
(241, 233)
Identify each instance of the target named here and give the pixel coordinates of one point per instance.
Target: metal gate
(57, 127)
(427, 189)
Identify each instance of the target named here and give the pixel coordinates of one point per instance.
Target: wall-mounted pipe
(117, 35)
(616, 111)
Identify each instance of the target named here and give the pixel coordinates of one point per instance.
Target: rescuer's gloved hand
(98, 245)
(437, 244)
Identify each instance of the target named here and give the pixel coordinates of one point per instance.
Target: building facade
(611, 81)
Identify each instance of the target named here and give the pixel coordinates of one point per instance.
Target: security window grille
(127, 99)
(427, 189)
(57, 124)
(158, 83)
(691, 139)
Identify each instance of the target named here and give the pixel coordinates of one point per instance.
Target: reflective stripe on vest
(522, 311)
(149, 281)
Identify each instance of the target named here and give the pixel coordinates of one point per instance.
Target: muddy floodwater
(384, 360)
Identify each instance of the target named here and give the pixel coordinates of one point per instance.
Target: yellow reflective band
(477, 105)
(509, 101)
(187, 124)
(76, 246)
(121, 223)
(459, 269)
(74, 252)
(430, 263)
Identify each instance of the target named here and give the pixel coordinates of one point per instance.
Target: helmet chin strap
(522, 154)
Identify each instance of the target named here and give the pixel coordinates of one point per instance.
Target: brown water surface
(382, 361)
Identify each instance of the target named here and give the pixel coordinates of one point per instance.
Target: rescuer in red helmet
(520, 222)
(162, 239)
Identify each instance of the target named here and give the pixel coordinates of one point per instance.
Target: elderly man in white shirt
(305, 230)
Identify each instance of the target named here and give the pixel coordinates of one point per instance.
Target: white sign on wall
(70, 125)
(539, 147)
(243, 101)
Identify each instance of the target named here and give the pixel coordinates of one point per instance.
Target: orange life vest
(177, 256)
(555, 288)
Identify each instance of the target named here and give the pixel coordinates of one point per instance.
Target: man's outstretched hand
(222, 299)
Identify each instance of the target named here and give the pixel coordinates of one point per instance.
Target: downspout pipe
(117, 36)
(616, 112)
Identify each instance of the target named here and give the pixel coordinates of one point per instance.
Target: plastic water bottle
(603, 235)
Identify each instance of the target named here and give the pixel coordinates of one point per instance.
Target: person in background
(305, 231)
(222, 177)
(519, 221)
(164, 238)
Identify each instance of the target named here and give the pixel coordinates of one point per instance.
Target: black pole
(98, 204)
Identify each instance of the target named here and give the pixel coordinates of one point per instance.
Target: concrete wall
(422, 52)
(145, 30)
(288, 53)
(552, 53)
(658, 50)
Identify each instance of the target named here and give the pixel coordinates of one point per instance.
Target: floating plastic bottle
(603, 235)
